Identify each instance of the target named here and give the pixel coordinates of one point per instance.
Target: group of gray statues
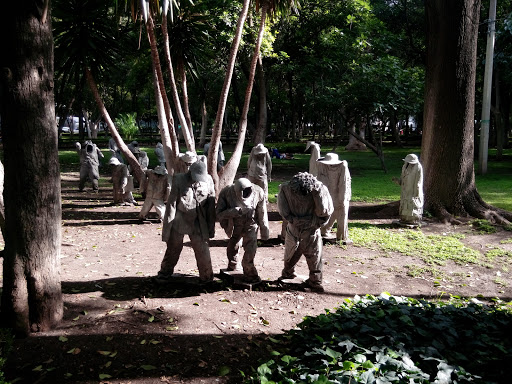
(309, 204)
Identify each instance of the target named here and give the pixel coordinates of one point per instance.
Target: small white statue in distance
(335, 175)
(159, 153)
(315, 155)
(411, 195)
(259, 167)
(221, 158)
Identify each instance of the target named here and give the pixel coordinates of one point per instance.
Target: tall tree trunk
(217, 128)
(261, 129)
(447, 150)
(31, 295)
(165, 118)
(185, 124)
(228, 172)
(136, 168)
(500, 132)
(184, 91)
(293, 113)
(204, 123)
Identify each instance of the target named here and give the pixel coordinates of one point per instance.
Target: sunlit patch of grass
(433, 249)
(483, 226)
(500, 281)
(417, 271)
(496, 252)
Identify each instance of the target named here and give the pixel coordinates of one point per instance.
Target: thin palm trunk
(227, 174)
(185, 125)
(261, 128)
(217, 128)
(204, 124)
(167, 131)
(136, 168)
(184, 91)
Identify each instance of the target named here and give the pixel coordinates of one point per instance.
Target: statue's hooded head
(198, 172)
(243, 190)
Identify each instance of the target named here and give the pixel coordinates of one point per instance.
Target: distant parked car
(71, 123)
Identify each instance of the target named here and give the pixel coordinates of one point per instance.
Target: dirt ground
(121, 327)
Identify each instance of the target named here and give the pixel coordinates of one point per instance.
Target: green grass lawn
(369, 182)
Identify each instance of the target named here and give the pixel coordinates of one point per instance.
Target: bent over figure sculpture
(156, 189)
(307, 206)
(122, 183)
(241, 210)
(89, 164)
(190, 211)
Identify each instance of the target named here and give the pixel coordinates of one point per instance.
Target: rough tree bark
(447, 150)
(261, 129)
(31, 296)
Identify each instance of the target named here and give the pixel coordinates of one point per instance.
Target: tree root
(471, 205)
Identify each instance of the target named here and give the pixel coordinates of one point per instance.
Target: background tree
(89, 41)
(31, 294)
(447, 150)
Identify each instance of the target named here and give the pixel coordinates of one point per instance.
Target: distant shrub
(127, 125)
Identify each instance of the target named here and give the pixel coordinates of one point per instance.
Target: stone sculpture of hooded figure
(159, 152)
(89, 164)
(220, 155)
(156, 189)
(335, 175)
(114, 149)
(190, 211)
(315, 155)
(259, 167)
(306, 205)
(411, 195)
(122, 183)
(241, 210)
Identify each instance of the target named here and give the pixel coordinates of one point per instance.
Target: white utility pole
(486, 98)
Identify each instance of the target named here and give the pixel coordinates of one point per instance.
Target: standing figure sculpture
(315, 155)
(140, 155)
(144, 160)
(122, 183)
(190, 211)
(411, 195)
(159, 153)
(89, 164)
(335, 175)
(114, 149)
(259, 167)
(306, 205)
(220, 155)
(155, 187)
(241, 210)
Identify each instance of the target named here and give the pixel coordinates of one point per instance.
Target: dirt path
(120, 327)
